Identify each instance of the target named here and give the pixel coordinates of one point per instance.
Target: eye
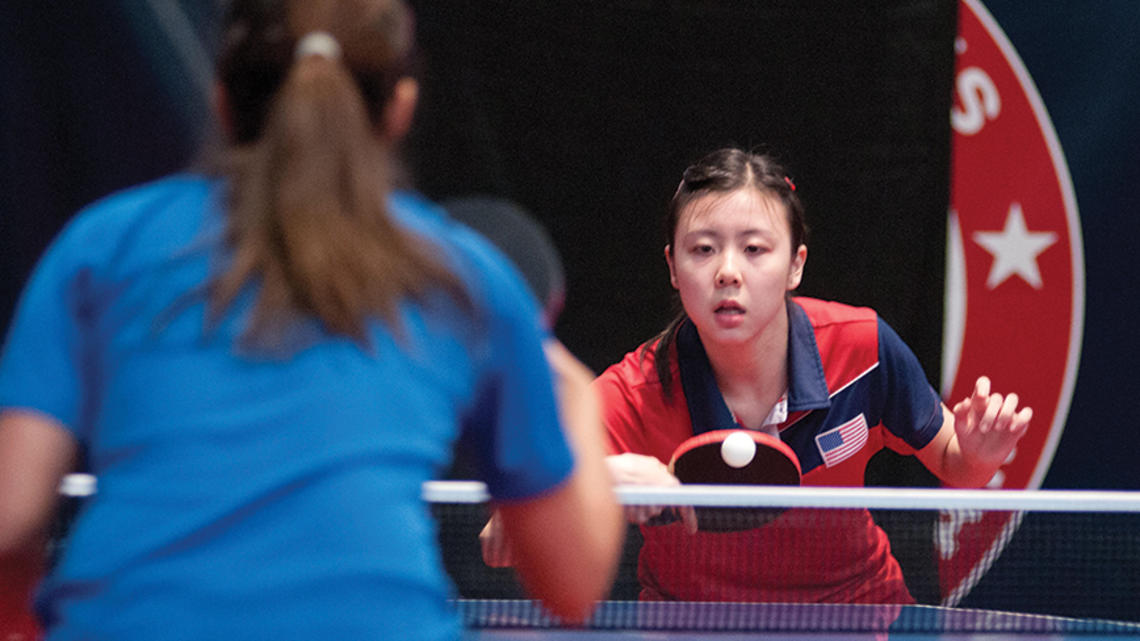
(755, 249)
(702, 249)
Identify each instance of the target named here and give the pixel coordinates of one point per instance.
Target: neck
(761, 367)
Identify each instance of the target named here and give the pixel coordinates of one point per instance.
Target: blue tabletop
(501, 620)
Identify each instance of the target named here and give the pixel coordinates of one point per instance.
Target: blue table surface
(492, 620)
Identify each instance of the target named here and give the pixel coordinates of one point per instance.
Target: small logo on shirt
(838, 444)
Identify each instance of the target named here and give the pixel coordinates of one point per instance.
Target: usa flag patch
(840, 443)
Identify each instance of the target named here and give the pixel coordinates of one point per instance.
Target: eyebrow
(707, 232)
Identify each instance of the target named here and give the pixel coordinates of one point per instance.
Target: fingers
(493, 541)
(962, 414)
(979, 401)
(1021, 421)
(641, 514)
(982, 387)
(970, 411)
(644, 514)
(1006, 417)
(638, 469)
(988, 416)
(1006, 414)
(688, 516)
(992, 409)
(984, 412)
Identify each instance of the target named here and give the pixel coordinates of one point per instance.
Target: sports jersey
(853, 389)
(253, 495)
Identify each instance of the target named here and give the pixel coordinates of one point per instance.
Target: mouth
(730, 308)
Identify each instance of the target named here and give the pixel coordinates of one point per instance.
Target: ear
(220, 102)
(797, 272)
(401, 108)
(672, 269)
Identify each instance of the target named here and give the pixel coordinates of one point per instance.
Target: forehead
(736, 211)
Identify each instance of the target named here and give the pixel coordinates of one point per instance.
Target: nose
(728, 274)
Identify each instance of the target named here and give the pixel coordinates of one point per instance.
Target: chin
(714, 333)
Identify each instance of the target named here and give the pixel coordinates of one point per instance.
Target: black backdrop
(587, 115)
(584, 115)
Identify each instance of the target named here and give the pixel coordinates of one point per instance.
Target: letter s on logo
(980, 101)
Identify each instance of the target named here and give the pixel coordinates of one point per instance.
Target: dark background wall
(1085, 61)
(587, 116)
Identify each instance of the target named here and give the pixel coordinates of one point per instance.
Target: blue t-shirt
(250, 495)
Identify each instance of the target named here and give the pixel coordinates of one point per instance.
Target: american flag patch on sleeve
(841, 442)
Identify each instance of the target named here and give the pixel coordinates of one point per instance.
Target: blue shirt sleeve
(513, 430)
(522, 446)
(43, 363)
(912, 410)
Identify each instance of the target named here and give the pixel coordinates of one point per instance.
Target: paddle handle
(665, 517)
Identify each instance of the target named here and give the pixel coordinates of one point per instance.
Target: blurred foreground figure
(262, 366)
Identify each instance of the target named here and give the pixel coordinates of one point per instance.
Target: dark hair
(724, 171)
(310, 173)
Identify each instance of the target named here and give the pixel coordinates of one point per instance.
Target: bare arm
(35, 453)
(565, 544)
(977, 436)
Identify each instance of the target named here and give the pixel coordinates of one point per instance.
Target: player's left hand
(988, 426)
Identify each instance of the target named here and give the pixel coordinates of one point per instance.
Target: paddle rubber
(698, 460)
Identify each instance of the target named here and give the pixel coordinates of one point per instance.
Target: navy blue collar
(807, 387)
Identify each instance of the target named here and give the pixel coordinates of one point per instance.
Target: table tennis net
(1062, 561)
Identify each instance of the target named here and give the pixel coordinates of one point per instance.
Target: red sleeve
(619, 413)
(639, 419)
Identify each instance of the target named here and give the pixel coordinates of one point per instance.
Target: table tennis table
(521, 620)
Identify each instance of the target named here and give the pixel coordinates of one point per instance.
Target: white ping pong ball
(737, 449)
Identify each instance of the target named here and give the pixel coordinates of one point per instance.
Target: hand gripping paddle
(732, 457)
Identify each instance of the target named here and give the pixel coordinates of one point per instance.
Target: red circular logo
(1015, 275)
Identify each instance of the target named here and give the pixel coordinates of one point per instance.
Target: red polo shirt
(854, 388)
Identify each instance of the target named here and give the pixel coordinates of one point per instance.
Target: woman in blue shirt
(262, 367)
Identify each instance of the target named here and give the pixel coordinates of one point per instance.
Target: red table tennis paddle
(733, 457)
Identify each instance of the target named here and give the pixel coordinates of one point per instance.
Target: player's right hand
(493, 541)
(638, 469)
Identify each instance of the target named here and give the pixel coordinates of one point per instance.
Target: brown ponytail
(309, 172)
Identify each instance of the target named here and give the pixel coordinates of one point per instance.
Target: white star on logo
(1015, 249)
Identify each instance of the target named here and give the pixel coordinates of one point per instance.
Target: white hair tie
(317, 43)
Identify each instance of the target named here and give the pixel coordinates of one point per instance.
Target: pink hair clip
(791, 184)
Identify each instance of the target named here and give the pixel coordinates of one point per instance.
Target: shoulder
(495, 287)
(637, 414)
(841, 327)
(120, 209)
(414, 210)
(635, 369)
(838, 322)
(825, 313)
(168, 210)
(846, 337)
(126, 226)
(457, 241)
(633, 380)
(474, 258)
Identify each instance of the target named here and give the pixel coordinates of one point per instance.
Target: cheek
(683, 273)
(680, 283)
